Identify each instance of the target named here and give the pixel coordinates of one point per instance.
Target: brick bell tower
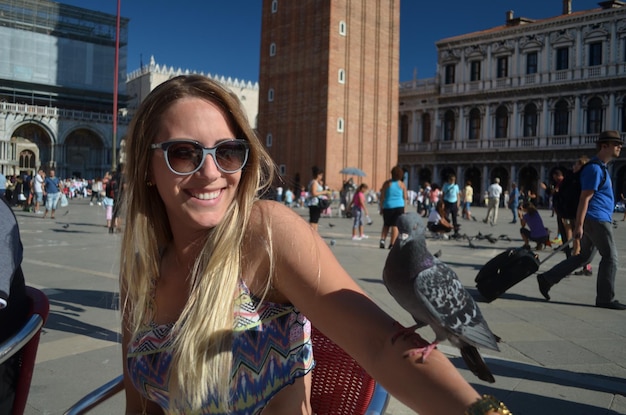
(328, 83)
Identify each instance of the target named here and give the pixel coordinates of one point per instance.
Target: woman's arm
(363, 203)
(310, 277)
(405, 194)
(381, 199)
(317, 193)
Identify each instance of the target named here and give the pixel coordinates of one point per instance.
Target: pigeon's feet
(423, 347)
(423, 351)
(403, 331)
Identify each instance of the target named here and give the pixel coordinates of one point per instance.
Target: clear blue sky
(223, 37)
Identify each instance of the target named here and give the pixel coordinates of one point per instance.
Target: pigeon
(432, 293)
(67, 225)
(471, 244)
(437, 254)
(491, 239)
(504, 238)
(331, 225)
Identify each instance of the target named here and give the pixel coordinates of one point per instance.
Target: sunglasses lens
(231, 156)
(184, 157)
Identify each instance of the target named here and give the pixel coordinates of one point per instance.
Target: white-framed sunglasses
(185, 157)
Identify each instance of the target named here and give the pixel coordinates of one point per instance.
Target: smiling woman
(218, 286)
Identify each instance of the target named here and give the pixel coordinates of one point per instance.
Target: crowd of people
(43, 193)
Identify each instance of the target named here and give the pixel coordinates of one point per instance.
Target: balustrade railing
(38, 110)
(584, 141)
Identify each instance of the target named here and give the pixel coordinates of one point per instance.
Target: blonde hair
(202, 348)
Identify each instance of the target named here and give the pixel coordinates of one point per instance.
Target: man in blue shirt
(452, 201)
(594, 226)
(52, 191)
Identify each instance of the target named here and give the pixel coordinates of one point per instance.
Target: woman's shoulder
(272, 214)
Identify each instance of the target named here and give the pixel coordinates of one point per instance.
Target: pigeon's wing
(451, 305)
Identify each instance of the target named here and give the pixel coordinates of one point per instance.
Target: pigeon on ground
(491, 239)
(430, 290)
(437, 254)
(505, 238)
(331, 225)
(480, 236)
(67, 225)
(471, 244)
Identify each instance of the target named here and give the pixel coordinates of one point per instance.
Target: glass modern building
(57, 71)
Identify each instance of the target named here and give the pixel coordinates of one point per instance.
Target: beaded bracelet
(485, 404)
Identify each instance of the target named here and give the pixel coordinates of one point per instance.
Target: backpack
(569, 192)
(111, 188)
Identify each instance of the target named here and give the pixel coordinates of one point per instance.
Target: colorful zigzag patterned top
(271, 348)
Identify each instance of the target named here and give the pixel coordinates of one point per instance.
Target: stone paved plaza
(559, 357)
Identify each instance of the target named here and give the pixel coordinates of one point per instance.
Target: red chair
(339, 386)
(24, 343)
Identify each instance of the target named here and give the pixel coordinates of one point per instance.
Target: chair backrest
(24, 344)
(340, 386)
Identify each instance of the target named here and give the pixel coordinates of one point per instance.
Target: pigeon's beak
(404, 236)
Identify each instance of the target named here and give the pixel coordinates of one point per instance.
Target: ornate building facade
(518, 101)
(56, 88)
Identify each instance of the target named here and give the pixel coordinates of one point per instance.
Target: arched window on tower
(448, 126)
(474, 124)
(561, 118)
(502, 122)
(342, 28)
(594, 116)
(530, 120)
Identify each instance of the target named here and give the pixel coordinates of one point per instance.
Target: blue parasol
(352, 171)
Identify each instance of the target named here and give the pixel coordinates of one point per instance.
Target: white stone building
(140, 82)
(517, 101)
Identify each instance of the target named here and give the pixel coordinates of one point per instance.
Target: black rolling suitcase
(507, 269)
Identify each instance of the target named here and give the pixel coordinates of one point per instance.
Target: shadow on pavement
(89, 298)
(68, 306)
(528, 403)
(560, 377)
(60, 322)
